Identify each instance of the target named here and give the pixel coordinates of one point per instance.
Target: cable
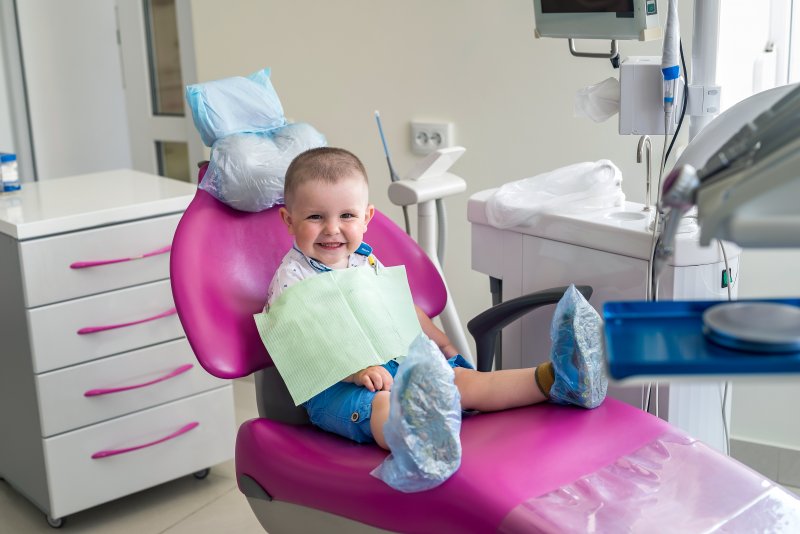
(651, 291)
(724, 403)
(652, 283)
(683, 105)
(727, 438)
(727, 268)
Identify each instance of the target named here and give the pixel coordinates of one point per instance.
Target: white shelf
(67, 204)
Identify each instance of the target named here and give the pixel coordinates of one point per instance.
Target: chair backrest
(222, 262)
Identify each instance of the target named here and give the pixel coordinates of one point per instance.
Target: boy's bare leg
(497, 390)
(380, 413)
(486, 392)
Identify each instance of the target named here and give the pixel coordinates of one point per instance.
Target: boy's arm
(433, 332)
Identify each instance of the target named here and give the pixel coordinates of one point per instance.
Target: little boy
(327, 211)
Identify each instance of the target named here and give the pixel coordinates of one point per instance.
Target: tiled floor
(183, 506)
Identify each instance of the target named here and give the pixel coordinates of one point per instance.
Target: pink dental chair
(543, 468)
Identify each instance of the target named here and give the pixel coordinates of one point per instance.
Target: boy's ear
(286, 218)
(369, 213)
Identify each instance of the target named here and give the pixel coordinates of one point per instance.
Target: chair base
(287, 518)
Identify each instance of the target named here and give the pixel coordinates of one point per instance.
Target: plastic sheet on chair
(674, 483)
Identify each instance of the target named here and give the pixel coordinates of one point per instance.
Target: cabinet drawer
(115, 322)
(77, 481)
(96, 391)
(93, 261)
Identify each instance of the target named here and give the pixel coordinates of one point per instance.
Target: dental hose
(392, 175)
(670, 69)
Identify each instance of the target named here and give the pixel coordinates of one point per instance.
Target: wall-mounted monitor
(597, 19)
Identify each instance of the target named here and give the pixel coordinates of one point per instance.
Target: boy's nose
(331, 228)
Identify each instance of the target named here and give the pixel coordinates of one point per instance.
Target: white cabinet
(100, 394)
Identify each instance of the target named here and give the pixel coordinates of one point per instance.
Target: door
(157, 51)
(66, 97)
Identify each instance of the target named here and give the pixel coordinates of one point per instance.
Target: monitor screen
(587, 6)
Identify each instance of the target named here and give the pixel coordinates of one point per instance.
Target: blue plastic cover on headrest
(235, 105)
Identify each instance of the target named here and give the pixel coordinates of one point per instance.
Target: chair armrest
(485, 326)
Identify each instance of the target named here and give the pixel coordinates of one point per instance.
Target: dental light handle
(665, 246)
(677, 198)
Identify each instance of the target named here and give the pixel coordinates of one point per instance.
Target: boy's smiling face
(328, 220)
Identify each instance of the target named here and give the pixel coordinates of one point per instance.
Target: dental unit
(545, 468)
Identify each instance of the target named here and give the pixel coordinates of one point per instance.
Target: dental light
(747, 191)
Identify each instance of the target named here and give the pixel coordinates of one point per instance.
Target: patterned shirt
(296, 266)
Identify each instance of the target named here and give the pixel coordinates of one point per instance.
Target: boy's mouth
(330, 246)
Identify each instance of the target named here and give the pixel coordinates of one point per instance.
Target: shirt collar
(363, 250)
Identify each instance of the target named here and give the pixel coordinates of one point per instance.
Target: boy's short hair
(327, 164)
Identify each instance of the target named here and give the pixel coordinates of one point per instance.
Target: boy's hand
(374, 378)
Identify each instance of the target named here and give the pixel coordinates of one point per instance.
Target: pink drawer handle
(114, 452)
(172, 374)
(93, 329)
(85, 264)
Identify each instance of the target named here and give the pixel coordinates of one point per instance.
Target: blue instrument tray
(666, 338)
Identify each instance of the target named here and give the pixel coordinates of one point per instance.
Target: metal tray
(666, 338)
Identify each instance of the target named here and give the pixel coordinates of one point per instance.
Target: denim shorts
(345, 408)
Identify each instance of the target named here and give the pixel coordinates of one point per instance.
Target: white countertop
(622, 230)
(67, 204)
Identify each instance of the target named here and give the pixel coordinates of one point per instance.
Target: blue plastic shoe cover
(247, 171)
(424, 422)
(235, 105)
(577, 352)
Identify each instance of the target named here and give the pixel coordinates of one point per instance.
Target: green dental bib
(329, 326)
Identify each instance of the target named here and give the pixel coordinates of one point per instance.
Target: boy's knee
(380, 413)
(381, 399)
(380, 405)
(462, 375)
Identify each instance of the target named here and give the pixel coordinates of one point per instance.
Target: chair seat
(551, 446)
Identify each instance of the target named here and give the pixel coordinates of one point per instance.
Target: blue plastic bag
(235, 105)
(577, 352)
(424, 422)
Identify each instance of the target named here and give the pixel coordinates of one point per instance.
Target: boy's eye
(314, 217)
(348, 215)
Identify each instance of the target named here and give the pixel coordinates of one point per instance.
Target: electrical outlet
(427, 137)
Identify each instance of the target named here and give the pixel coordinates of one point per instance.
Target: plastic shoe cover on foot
(577, 352)
(424, 422)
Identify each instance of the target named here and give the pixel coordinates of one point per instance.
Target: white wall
(472, 62)
(6, 132)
